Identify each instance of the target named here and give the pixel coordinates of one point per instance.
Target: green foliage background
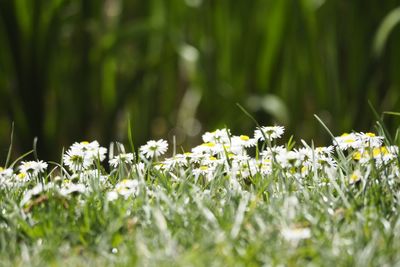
(73, 70)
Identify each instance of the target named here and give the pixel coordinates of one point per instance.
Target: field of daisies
(234, 200)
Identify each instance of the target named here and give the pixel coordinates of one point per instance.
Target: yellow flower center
(244, 138)
(209, 144)
(354, 177)
(303, 169)
(203, 168)
(370, 134)
(380, 151)
(84, 143)
(357, 155)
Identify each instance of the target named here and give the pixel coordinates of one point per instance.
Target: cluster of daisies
(239, 158)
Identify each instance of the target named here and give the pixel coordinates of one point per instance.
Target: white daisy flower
(154, 148)
(355, 177)
(347, 140)
(112, 195)
(370, 139)
(127, 187)
(210, 148)
(269, 132)
(220, 136)
(358, 140)
(382, 155)
(32, 168)
(178, 160)
(21, 178)
(272, 152)
(243, 141)
(35, 191)
(69, 188)
(81, 156)
(124, 158)
(5, 174)
(77, 160)
(205, 171)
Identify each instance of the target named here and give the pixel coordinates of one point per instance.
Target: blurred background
(77, 70)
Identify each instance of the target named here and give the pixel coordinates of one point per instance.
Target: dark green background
(75, 70)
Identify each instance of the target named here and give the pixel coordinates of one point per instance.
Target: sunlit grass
(235, 200)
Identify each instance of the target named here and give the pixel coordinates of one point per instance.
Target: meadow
(310, 178)
(232, 200)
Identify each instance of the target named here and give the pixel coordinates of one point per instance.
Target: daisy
(269, 132)
(35, 191)
(5, 174)
(243, 141)
(81, 156)
(221, 136)
(77, 160)
(69, 188)
(178, 160)
(355, 177)
(154, 148)
(127, 188)
(32, 168)
(124, 158)
(370, 139)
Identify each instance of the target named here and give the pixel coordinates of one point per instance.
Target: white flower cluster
(82, 156)
(236, 158)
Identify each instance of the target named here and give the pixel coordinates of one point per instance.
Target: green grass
(175, 218)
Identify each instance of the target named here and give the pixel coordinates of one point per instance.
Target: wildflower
(69, 188)
(178, 160)
(32, 168)
(211, 161)
(5, 175)
(220, 136)
(210, 148)
(265, 168)
(22, 178)
(381, 154)
(154, 148)
(358, 140)
(268, 132)
(355, 177)
(81, 156)
(112, 195)
(370, 139)
(288, 159)
(35, 191)
(127, 188)
(243, 141)
(121, 159)
(322, 150)
(245, 168)
(347, 140)
(272, 152)
(205, 171)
